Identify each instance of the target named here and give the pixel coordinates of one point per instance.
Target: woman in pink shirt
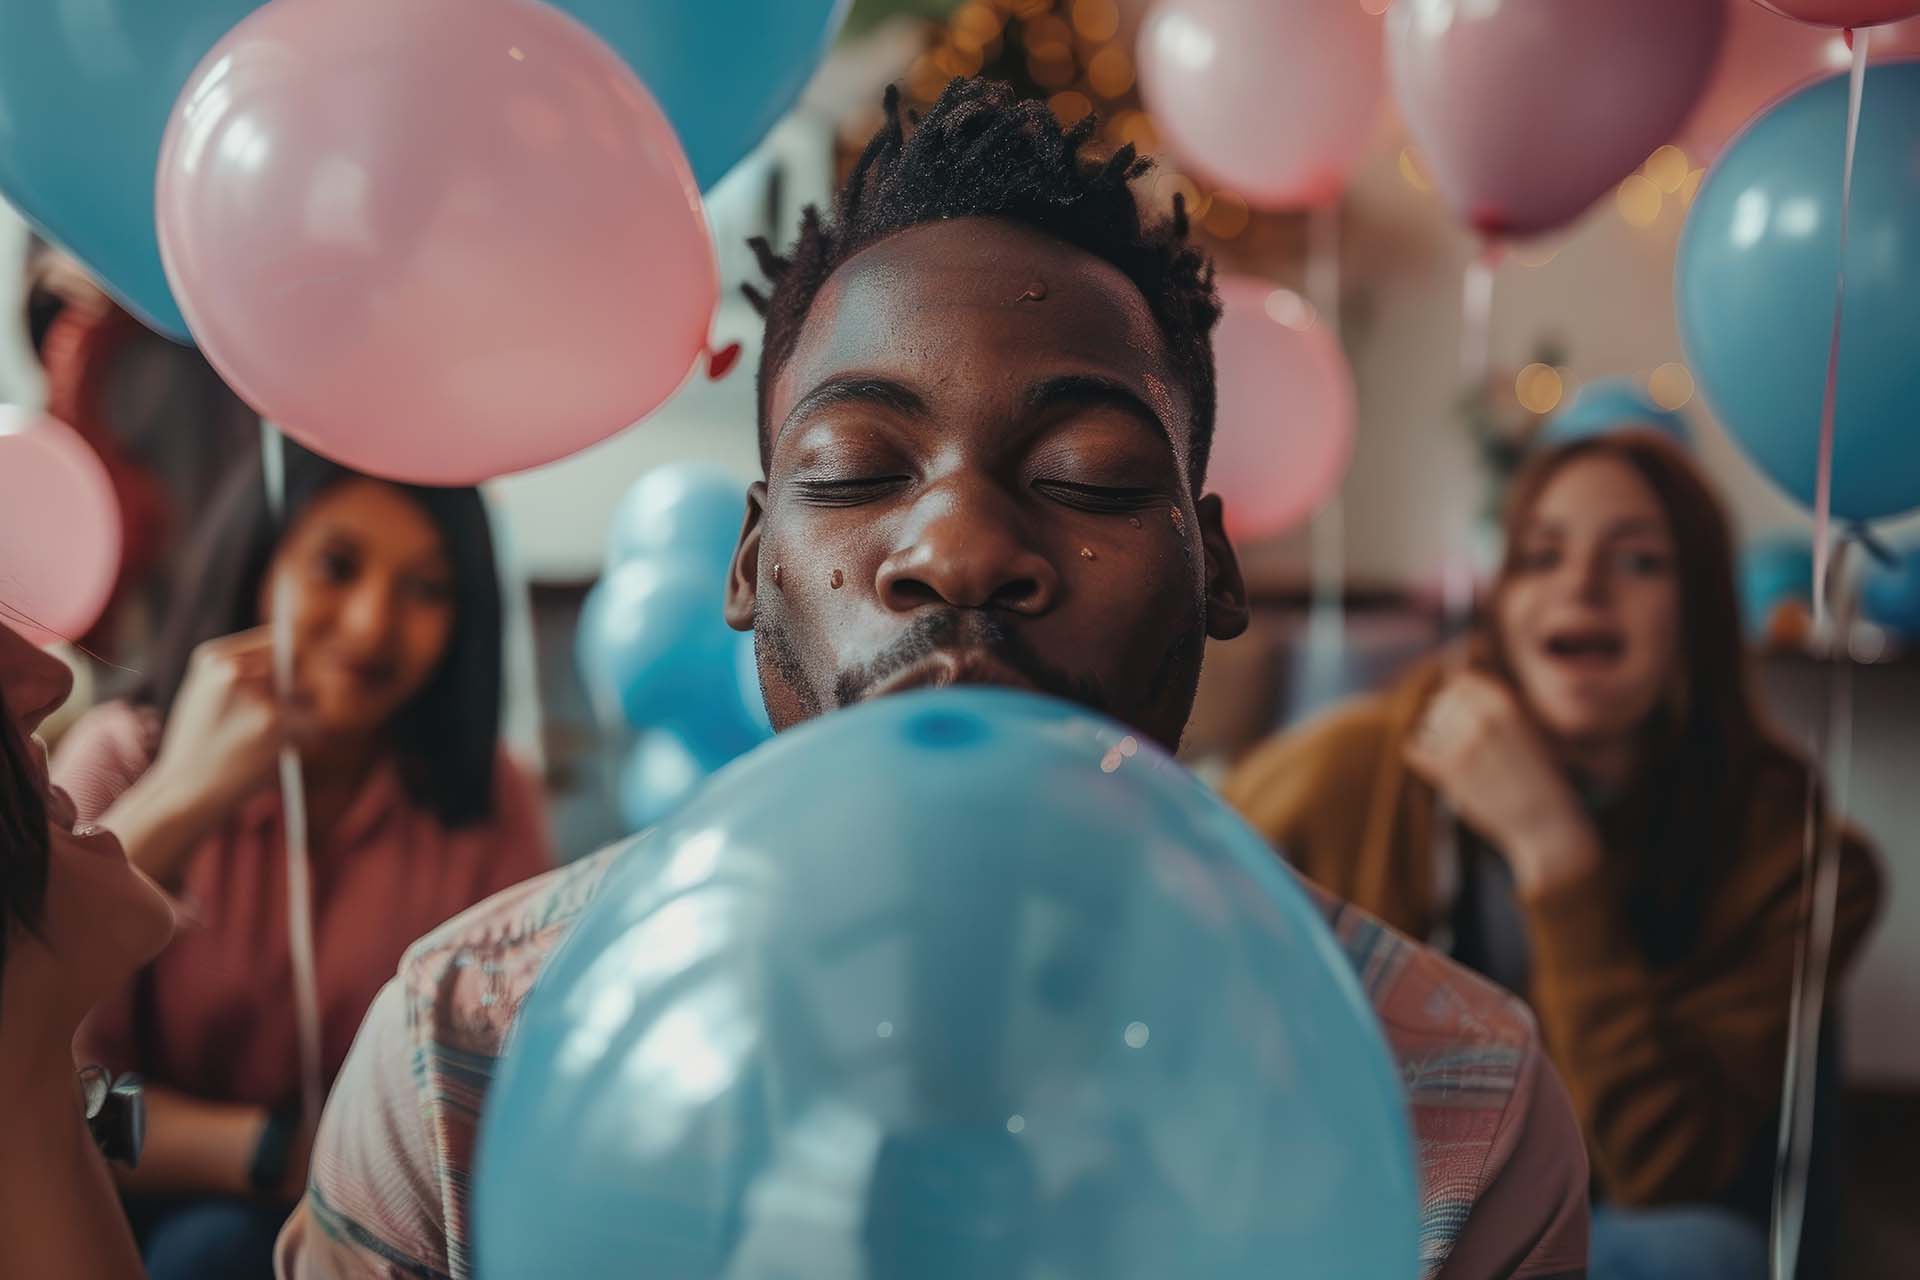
(414, 814)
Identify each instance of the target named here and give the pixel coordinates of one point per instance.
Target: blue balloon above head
(967, 983)
(687, 512)
(1613, 404)
(1757, 268)
(724, 71)
(85, 93)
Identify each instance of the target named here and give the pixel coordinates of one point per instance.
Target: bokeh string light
(1073, 55)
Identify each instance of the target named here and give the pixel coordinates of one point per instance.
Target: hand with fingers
(1477, 746)
(227, 724)
(222, 740)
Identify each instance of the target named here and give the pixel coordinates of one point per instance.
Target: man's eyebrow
(857, 389)
(1089, 389)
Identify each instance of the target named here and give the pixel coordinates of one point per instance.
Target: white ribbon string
(1823, 490)
(1820, 862)
(293, 797)
(1476, 363)
(1326, 619)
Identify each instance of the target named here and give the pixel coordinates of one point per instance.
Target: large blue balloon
(685, 511)
(1613, 404)
(1755, 286)
(724, 71)
(85, 92)
(968, 983)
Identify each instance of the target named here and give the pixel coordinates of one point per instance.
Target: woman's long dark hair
(446, 738)
(1685, 817)
(24, 847)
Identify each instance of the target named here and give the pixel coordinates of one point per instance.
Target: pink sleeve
(522, 848)
(104, 753)
(1531, 1220)
(373, 1208)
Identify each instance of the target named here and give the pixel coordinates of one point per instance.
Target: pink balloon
(1276, 101)
(437, 240)
(1284, 431)
(1846, 13)
(59, 529)
(1766, 57)
(1527, 111)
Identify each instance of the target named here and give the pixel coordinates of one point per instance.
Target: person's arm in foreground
(373, 1207)
(1531, 1219)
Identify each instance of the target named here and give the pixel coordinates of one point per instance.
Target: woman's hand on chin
(1477, 747)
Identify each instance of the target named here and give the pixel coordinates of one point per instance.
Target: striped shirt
(1503, 1170)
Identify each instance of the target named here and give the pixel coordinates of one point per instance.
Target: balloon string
(293, 797)
(1819, 898)
(1476, 364)
(1823, 484)
(1820, 862)
(1476, 322)
(1326, 618)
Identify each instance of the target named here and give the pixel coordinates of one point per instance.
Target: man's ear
(1227, 611)
(743, 579)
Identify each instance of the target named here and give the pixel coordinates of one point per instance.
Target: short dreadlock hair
(982, 152)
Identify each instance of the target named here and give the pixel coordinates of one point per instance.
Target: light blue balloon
(660, 773)
(965, 983)
(1613, 404)
(654, 646)
(1755, 284)
(1774, 571)
(724, 71)
(86, 88)
(688, 511)
(1890, 595)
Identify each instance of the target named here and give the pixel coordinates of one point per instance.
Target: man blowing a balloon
(985, 398)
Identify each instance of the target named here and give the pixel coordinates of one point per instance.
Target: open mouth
(1587, 646)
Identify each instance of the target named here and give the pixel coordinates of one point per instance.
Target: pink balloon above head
(1527, 111)
(437, 240)
(1283, 433)
(1765, 57)
(1846, 13)
(1275, 101)
(59, 529)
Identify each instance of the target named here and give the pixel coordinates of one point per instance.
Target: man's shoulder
(1470, 1058)
(466, 979)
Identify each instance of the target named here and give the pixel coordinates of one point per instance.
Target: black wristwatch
(269, 1168)
(116, 1114)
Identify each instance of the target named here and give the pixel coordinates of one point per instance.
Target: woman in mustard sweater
(1587, 807)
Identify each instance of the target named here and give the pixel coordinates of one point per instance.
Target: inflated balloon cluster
(654, 650)
(438, 241)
